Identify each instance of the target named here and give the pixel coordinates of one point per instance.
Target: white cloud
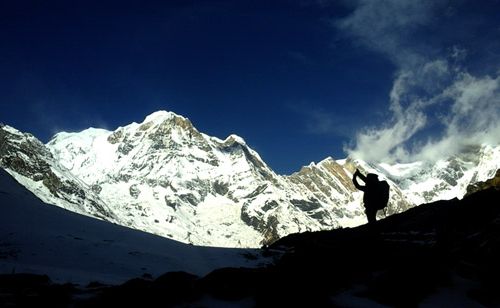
(457, 53)
(375, 144)
(469, 113)
(387, 26)
(474, 116)
(427, 89)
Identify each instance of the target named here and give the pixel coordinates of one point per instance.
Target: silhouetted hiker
(376, 193)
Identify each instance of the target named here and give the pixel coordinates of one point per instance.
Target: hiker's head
(371, 178)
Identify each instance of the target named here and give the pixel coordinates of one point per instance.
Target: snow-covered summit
(89, 133)
(10, 129)
(161, 116)
(235, 138)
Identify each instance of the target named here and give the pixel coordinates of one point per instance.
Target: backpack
(383, 194)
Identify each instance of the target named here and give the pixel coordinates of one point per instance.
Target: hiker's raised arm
(361, 176)
(355, 180)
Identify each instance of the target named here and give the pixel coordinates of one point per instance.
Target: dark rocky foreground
(401, 261)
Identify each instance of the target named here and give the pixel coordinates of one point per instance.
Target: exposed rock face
(33, 165)
(325, 179)
(491, 183)
(25, 154)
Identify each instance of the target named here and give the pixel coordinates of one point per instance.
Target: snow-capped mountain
(424, 182)
(32, 164)
(165, 177)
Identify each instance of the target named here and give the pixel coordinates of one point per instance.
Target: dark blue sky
(297, 79)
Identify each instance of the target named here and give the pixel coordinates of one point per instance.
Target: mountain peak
(10, 129)
(327, 160)
(160, 116)
(89, 133)
(235, 138)
(166, 119)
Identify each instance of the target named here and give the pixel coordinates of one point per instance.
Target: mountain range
(165, 177)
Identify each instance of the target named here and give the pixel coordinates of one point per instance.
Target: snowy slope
(45, 239)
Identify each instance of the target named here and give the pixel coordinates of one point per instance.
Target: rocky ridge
(32, 164)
